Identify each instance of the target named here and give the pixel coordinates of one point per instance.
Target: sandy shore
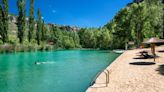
(126, 76)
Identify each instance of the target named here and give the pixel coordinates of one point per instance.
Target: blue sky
(82, 13)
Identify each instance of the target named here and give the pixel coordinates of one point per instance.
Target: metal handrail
(93, 81)
(98, 74)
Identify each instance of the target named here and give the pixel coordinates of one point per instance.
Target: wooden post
(153, 51)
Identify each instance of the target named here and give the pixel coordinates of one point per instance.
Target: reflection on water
(58, 71)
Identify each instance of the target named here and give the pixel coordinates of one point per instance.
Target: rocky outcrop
(65, 27)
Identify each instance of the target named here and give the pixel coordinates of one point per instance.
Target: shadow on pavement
(142, 63)
(161, 69)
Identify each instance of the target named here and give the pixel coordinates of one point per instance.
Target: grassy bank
(12, 48)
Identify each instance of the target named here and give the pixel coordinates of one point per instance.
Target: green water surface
(68, 70)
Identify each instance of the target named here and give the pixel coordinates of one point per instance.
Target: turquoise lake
(66, 70)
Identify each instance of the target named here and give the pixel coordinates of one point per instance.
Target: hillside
(138, 21)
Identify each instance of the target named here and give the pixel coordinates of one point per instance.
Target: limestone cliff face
(65, 27)
(13, 26)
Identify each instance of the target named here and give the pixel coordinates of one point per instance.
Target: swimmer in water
(38, 63)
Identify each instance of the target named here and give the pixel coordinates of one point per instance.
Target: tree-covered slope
(137, 21)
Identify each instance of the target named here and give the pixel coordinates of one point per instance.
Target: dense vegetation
(4, 20)
(136, 22)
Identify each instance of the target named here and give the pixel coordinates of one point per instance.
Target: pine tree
(39, 27)
(1, 22)
(31, 21)
(5, 20)
(21, 19)
(43, 31)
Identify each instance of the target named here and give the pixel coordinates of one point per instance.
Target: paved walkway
(127, 74)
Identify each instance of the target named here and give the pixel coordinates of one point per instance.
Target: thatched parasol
(152, 42)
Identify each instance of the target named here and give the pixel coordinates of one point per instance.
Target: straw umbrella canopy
(152, 42)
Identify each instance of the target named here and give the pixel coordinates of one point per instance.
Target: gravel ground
(128, 74)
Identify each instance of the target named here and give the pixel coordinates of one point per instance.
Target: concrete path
(127, 74)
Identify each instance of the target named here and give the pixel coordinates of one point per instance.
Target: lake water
(66, 71)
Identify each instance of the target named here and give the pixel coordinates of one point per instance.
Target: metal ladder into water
(106, 72)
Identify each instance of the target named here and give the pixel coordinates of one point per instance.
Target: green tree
(31, 21)
(1, 22)
(97, 34)
(154, 22)
(87, 38)
(43, 32)
(57, 36)
(4, 9)
(39, 27)
(68, 42)
(76, 39)
(120, 28)
(147, 20)
(81, 36)
(136, 22)
(104, 39)
(21, 19)
(46, 33)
